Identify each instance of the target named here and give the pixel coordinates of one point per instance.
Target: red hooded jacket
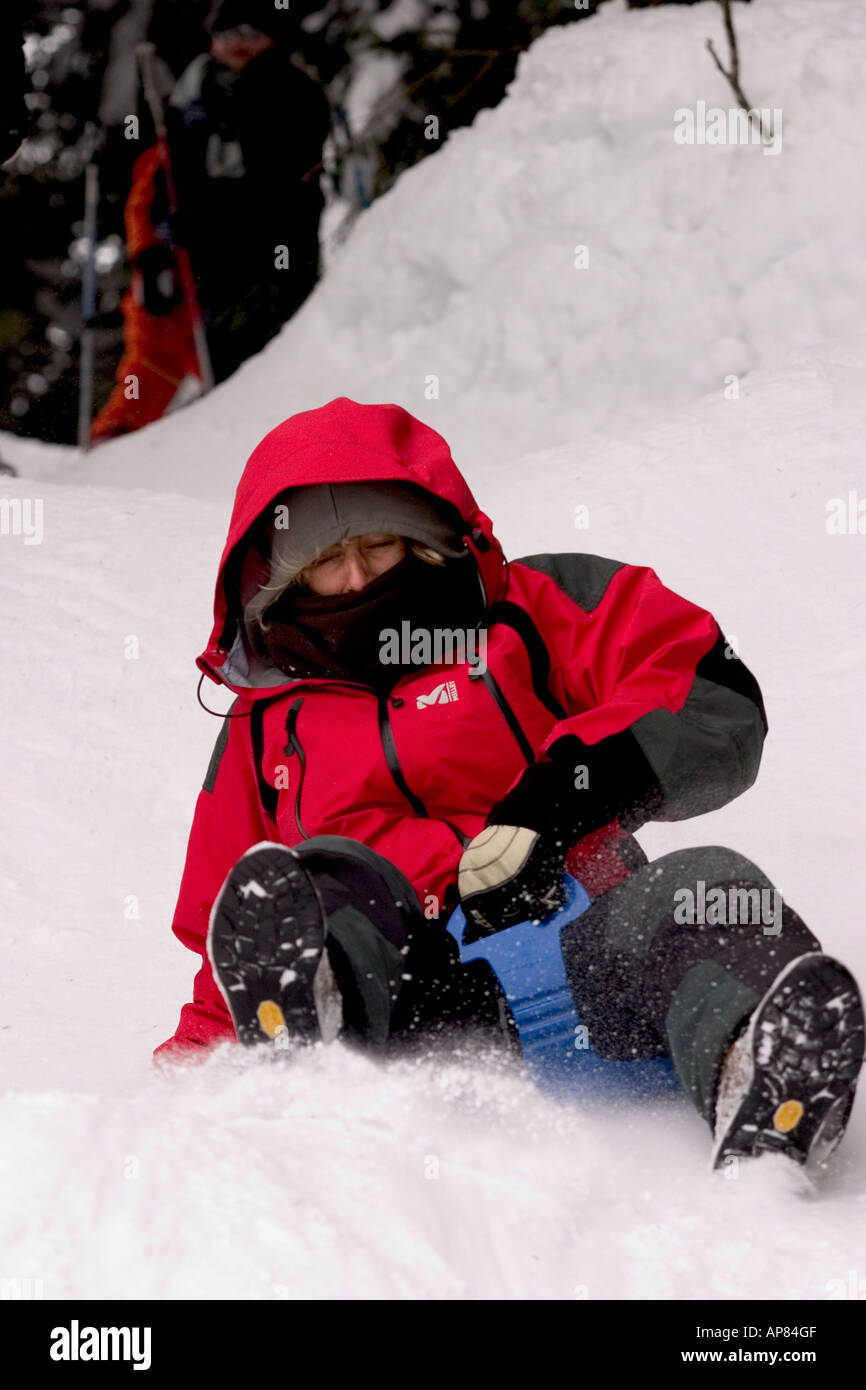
(575, 644)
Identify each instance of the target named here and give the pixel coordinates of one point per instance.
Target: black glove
(581, 788)
(512, 871)
(160, 280)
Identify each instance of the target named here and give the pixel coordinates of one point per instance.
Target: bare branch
(733, 74)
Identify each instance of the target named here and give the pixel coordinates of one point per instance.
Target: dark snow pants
(645, 982)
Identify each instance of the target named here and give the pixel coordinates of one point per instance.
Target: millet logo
(441, 694)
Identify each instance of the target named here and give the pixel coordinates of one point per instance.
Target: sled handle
(577, 900)
(528, 962)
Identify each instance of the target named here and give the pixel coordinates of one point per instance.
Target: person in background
(246, 127)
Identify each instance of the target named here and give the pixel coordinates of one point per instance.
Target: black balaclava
(340, 636)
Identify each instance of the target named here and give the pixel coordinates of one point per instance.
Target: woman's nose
(356, 574)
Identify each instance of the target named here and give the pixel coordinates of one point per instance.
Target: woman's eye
(380, 545)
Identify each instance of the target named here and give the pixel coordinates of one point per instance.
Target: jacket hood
(343, 441)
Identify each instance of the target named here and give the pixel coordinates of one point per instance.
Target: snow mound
(326, 1176)
(703, 259)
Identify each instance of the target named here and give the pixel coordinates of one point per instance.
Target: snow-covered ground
(560, 388)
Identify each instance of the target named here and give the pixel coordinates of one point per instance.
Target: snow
(324, 1174)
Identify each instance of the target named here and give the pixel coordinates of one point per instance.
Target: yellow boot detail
(788, 1116)
(270, 1017)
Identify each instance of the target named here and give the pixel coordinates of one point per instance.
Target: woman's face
(348, 566)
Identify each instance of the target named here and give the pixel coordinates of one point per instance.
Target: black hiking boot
(787, 1084)
(266, 943)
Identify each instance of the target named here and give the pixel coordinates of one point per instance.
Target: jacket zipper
(389, 749)
(294, 746)
(506, 711)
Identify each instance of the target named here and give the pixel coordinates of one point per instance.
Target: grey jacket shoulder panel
(705, 755)
(709, 751)
(583, 577)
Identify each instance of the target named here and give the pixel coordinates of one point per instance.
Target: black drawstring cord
(220, 714)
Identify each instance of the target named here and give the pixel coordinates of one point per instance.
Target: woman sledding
(352, 802)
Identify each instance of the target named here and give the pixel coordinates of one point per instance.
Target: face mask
(341, 635)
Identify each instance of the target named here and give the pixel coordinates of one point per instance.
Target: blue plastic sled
(527, 960)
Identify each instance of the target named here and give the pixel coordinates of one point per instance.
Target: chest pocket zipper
(294, 746)
(505, 709)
